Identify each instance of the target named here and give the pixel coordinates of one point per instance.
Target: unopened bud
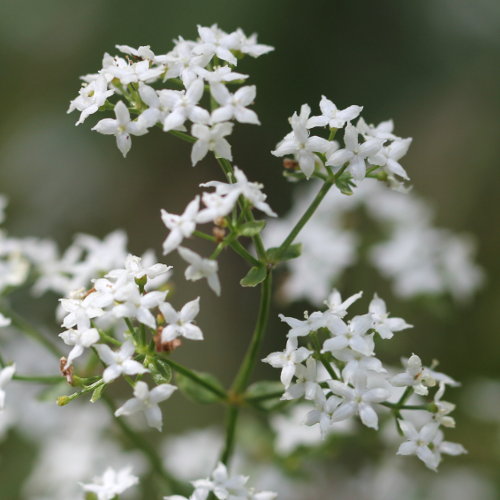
(66, 371)
(219, 233)
(290, 164)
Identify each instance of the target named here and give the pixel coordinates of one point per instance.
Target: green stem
(42, 379)
(305, 217)
(148, 451)
(195, 378)
(22, 325)
(204, 236)
(182, 135)
(243, 252)
(243, 376)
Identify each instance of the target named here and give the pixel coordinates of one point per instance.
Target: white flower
(184, 106)
(252, 191)
(111, 483)
(446, 447)
(248, 45)
(444, 408)
(181, 226)
(415, 376)
(337, 306)
(223, 485)
(144, 51)
(4, 321)
(121, 128)
(182, 62)
(358, 400)
(80, 339)
(382, 131)
(119, 362)
(216, 206)
(80, 312)
(392, 154)
(214, 41)
(234, 105)
(220, 74)
(384, 325)
(300, 144)
(181, 323)
(307, 383)
(91, 97)
(133, 304)
(201, 268)
(355, 154)
(6, 375)
(333, 117)
(211, 139)
(299, 328)
(351, 335)
(288, 360)
(147, 401)
(135, 270)
(418, 442)
(322, 414)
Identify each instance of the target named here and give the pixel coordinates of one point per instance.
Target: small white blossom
(119, 362)
(121, 128)
(234, 105)
(181, 226)
(353, 335)
(111, 483)
(288, 360)
(221, 74)
(299, 328)
(144, 51)
(135, 270)
(417, 442)
(339, 307)
(300, 144)
(6, 375)
(358, 399)
(211, 139)
(216, 206)
(180, 324)
(382, 324)
(201, 268)
(146, 400)
(215, 42)
(391, 155)
(416, 376)
(332, 116)
(184, 106)
(355, 154)
(91, 97)
(252, 191)
(80, 339)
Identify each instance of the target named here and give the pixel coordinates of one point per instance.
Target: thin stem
(148, 451)
(196, 378)
(42, 379)
(264, 397)
(22, 325)
(243, 376)
(183, 136)
(243, 252)
(204, 236)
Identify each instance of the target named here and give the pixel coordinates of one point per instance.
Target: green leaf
(96, 395)
(345, 183)
(292, 252)
(160, 371)
(251, 228)
(196, 391)
(263, 388)
(255, 275)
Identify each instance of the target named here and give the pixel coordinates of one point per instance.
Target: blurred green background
(432, 65)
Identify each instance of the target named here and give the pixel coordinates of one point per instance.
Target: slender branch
(243, 252)
(231, 421)
(205, 236)
(196, 378)
(42, 379)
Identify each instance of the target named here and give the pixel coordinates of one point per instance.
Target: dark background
(431, 65)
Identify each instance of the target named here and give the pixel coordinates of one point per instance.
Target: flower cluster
(224, 486)
(111, 483)
(120, 309)
(367, 149)
(339, 373)
(190, 71)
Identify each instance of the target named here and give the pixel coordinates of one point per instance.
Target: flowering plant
(116, 312)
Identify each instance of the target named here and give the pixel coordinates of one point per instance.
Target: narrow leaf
(255, 275)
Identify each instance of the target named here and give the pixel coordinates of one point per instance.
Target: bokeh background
(432, 65)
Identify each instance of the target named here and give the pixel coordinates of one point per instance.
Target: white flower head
(146, 400)
(382, 324)
(180, 324)
(234, 105)
(121, 127)
(119, 362)
(111, 483)
(332, 116)
(201, 268)
(181, 226)
(211, 139)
